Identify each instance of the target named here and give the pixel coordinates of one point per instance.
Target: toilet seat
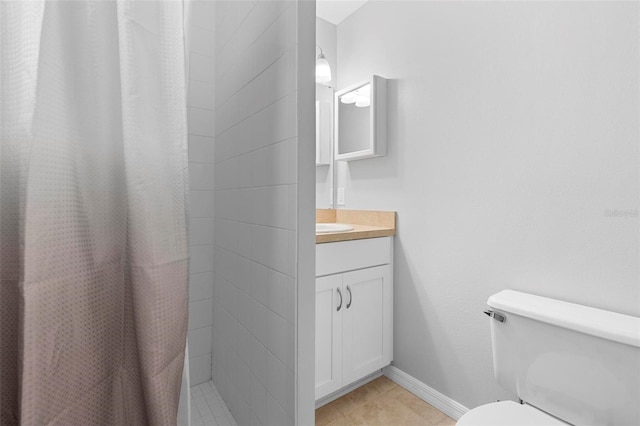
(507, 413)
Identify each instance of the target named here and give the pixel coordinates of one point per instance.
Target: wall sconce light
(361, 97)
(323, 70)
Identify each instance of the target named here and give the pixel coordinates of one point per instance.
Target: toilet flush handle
(496, 315)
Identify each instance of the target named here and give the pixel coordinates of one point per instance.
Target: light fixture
(364, 96)
(323, 70)
(363, 101)
(361, 97)
(349, 98)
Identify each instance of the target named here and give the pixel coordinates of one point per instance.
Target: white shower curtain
(93, 251)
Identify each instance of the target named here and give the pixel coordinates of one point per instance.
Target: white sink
(324, 228)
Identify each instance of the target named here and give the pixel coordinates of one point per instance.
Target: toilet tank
(577, 363)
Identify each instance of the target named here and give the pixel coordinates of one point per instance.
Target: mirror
(361, 120)
(323, 133)
(354, 120)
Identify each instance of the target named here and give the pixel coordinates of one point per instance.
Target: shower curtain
(93, 175)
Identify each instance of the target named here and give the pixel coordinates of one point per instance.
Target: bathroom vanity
(354, 298)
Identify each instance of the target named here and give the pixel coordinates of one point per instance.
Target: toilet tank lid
(596, 322)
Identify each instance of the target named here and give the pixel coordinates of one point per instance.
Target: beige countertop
(366, 224)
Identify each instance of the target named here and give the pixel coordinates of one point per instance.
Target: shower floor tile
(208, 408)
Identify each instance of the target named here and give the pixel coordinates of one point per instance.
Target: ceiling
(335, 11)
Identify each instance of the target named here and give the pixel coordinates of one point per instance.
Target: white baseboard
(451, 408)
(345, 390)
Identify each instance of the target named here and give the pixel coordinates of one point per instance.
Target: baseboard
(345, 390)
(451, 408)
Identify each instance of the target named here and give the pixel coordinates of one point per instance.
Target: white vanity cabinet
(354, 311)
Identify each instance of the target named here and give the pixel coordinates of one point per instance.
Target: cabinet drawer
(333, 258)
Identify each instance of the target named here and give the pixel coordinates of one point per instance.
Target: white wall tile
(271, 45)
(229, 16)
(277, 336)
(202, 14)
(200, 341)
(201, 176)
(200, 286)
(258, 399)
(201, 68)
(218, 345)
(200, 231)
(275, 204)
(246, 243)
(293, 205)
(244, 309)
(201, 204)
(276, 414)
(201, 122)
(253, 26)
(258, 284)
(244, 344)
(244, 381)
(201, 149)
(201, 41)
(201, 95)
(278, 382)
(242, 411)
(244, 280)
(281, 294)
(229, 297)
(258, 362)
(225, 206)
(200, 314)
(258, 322)
(200, 259)
(271, 247)
(273, 124)
(255, 204)
(274, 165)
(273, 84)
(200, 369)
(226, 264)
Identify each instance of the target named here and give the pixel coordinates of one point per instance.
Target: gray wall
(513, 163)
(326, 34)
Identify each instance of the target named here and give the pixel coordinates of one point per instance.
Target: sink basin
(324, 228)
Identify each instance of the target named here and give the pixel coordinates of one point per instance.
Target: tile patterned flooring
(208, 408)
(380, 402)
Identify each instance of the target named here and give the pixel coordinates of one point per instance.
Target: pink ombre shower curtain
(93, 266)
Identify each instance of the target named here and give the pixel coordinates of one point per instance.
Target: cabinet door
(329, 308)
(367, 322)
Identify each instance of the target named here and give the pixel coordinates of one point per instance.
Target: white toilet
(570, 364)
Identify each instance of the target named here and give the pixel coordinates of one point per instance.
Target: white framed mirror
(361, 120)
(323, 133)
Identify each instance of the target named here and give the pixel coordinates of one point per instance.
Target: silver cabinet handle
(350, 297)
(339, 294)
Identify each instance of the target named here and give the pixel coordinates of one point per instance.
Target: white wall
(326, 38)
(201, 162)
(258, 209)
(513, 134)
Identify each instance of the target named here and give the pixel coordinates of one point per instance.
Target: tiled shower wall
(200, 102)
(255, 209)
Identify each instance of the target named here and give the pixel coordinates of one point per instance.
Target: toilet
(568, 363)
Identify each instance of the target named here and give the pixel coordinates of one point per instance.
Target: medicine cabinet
(361, 120)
